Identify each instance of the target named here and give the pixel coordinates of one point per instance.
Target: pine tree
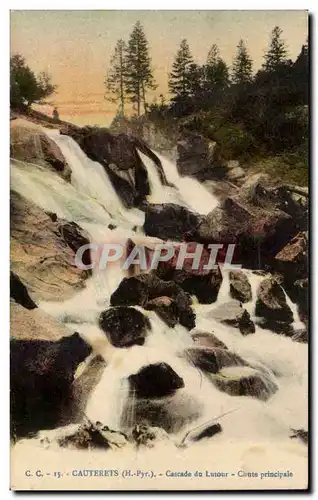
(115, 82)
(181, 76)
(138, 68)
(277, 52)
(242, 65)
(216, 73)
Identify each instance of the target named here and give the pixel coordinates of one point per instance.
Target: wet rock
(301, 434)
(235, 174)
(196, 155)
(118, 153)
(166, 308)
(232, 313)
(244, 381)
(34, 324)
(271, 304)
(39, 255)
(19, 292)
(212, 360)
(257, 227)
(201, 432)
(201, 282)
(155, 381)
(75, 237)
(124, 326)
(91, 436)
(41, 377)
(29, 143)
(170, 221)
(240, 288)
(141, 289)
(148, 436)
(301, 336)
(205, 339)
(295, 251)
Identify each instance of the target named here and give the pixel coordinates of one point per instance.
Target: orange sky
(75, 47)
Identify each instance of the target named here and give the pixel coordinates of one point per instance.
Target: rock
(232, 164)
(34, 324)
(201, 432)
(244, 381)
(141, 289)
(155, 381)
(19, 292)
(271, 304)
(240, 288)
(39, 255)
(29, 143)
(195, 155)
(41, 377)
(92, 436)
(75, 237)
(295, 251)
(256, 225)
(301, 336)
(166, 308)
(170, 221)
(235, 174)
(148, 436)
(201, 282)
(301, 434)
(231, 313)
(205, 339)
(212, 360)
(124, 326)
(118, 153)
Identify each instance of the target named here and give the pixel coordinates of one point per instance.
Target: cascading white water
(192, 192)
(187, 191)
(90, 177)
(248, 422)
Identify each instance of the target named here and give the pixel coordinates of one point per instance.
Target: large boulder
(75, 237)
(144, 288)
(118, 153)
(232, 313)
(292, 263)
(124, 326)
(201, 282)
(245, 381)
(148, 436)
(29, 143)
(34, 324)
(155, 381)
(19, 292)
(271, 305)
(254, 219)
(195, 155)
(170, 221)
(90, 436)
(206, 339)
(240, 287)
(39, 255)
(41, 377)
(166, 308)
(212, 359)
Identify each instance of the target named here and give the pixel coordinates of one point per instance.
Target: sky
(75, 47)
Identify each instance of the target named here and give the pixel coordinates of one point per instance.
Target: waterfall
(91, 178)
(91, 201)
(192, 192)
(186, 191)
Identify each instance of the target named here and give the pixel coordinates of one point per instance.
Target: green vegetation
(130, 74)
(260, 119)
(25, 87)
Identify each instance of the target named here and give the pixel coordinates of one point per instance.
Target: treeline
(244, 110)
